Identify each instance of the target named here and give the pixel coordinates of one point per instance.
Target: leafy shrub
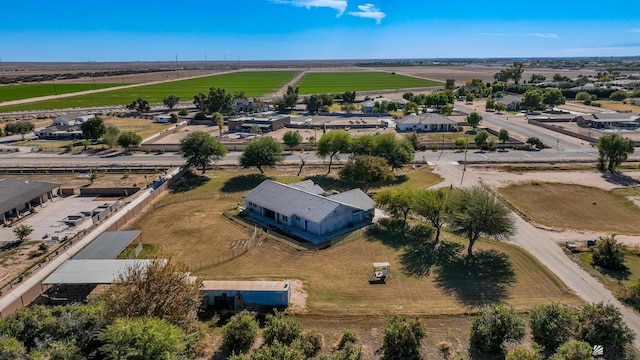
(239, 333)
(552, 324)
(573, 350)
(609, 254)
(491, 328)
(183, 112)
(282, 328)
(601, 324)
(200, 116)
(309, 343)
(402, 339)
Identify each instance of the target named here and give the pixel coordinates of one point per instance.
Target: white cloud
(370, 12)
(339, 5)
(545, 36)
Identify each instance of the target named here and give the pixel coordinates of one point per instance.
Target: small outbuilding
(19, 197)
(237, 295)
(381, 273)
(162, 119)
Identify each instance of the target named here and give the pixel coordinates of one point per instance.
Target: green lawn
(18, 92)
(253, 83)
(318, 83)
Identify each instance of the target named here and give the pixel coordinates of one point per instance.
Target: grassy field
(318, 83)
(619, 106)
(18, 92)
(142, 127)
(574, 207)
(253, 83)
(336, 279)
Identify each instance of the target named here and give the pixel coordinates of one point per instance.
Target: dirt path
(543, 244)
(283, 90)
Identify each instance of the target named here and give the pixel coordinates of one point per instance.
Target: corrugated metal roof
(108, 245)
(15, 193)
(260, 285)
(425, 119)
(91, 271)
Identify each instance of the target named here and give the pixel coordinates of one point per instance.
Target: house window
(296, 217)
(285, 218)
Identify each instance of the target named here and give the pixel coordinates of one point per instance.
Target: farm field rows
(18, 92)
(253, 83)
(331, 82)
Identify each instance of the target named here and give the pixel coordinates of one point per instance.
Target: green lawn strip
(330, 82)
(26, 91)
(571, 206)
(253, 83)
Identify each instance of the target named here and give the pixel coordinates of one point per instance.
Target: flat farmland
(253, 83)
(331, 82)
(18, 92)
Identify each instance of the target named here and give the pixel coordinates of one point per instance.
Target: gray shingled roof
(15, 193)
(309, 186)
(289, 200)
(425, 119)
(355, 198)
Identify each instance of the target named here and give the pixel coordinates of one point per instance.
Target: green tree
(613, 149)
(261, 153)
(19, 127)
(537, 78)
(500, 107)
(583, 95)
(200, 101)
(110, 136)
(129, 140)
(397, 152)
(517, 68)
(481, 139)
(348, 108)
(367, 171)
(410, 108)
(492, 327)
(503, 136)
(314, 104)
(93, 128)
(524, 354)
(281, 328)
(460, 143)
(402, 339)
(22, 231)
(618, 95)
(431, 205)
(139, 105)
(156, 289)
(183, 112)
(474, 211)
(218, 120)
(469, 98)
(553, 97)
(552, 324)
(219, 101)
(142, 338)
(397, 201)
(292, 139)
(573, 350)
(200, 149)
(474, 119)
(532, 99)
(609, 253)
(602, 324)
(11, 349)
(239, 334)
(446, 110)
(333, 144)
(450, 84)
(291, 97)
(490, 104)
(349, 97)
(173, 118)
(171, 101)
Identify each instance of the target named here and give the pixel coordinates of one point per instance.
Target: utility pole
(464, 169)
(177, 70)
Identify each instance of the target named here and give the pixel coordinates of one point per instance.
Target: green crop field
(319, 83)
(18, 92)
(253, 83)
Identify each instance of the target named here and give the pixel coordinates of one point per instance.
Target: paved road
(544, 245)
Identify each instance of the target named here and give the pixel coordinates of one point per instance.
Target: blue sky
(117, 30)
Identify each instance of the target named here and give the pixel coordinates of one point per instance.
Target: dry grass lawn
(142, 127)
(619, 106)
(574, 207)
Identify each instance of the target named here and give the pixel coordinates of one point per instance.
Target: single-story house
(610, 120)
(367, 106)
(84, 118)
(243, 106)
(426, 122)
(307, 210)
(60, 120)
(60, 132)
(512, 102)
(19, 196)
(265, 124)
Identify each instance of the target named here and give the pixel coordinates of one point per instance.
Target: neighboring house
(512, 102)
(84, 118)
(243, 106)
(60, 121)
(162, 119)
(612, 120)
(266, 124)
(55, 132)
(426, 122)
(367, 106)
(19, 196)
(636, 101)
(306, 210)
